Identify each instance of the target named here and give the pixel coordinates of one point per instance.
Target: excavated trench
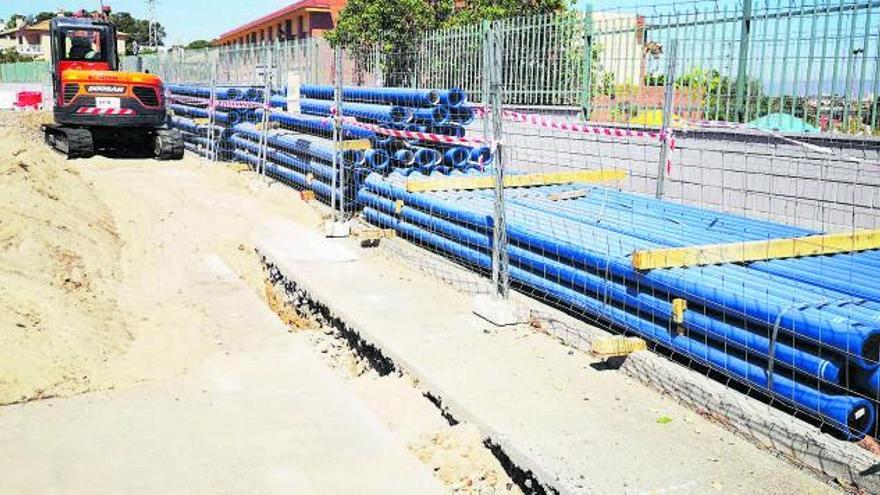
(345, 348)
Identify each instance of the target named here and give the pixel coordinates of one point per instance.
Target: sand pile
(59, 250)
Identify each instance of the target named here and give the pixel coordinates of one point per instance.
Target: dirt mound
(59, 250)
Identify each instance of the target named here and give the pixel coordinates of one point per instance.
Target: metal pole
(338, 183)
(500, 258)
(212, 119)
(264, 133)
(587, 91)
(668, 100)
(741, 75)
(487, 64)
(377, 66)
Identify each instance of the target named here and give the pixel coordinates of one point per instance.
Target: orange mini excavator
(97, 107)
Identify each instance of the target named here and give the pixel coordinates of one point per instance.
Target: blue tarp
(781, 122)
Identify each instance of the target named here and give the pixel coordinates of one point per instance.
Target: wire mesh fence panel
(451, 58)
(420, 136)
(741, 253)
(739, 249)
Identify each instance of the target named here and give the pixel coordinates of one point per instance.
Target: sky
(184, 20)
(187, 20)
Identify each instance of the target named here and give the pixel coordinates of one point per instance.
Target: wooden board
(523, 180)
(741, 252)
(616, 345)
(356, 144)
(373, 234)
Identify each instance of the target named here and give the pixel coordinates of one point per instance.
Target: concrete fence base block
(336, 229)
(499, 312)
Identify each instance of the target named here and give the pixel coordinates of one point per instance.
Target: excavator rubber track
(70, 141)
(168, 144)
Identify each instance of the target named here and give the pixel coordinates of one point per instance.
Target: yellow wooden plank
(239, 167)
(373, 234)
(741, 252)
(616, 345)
(679, 306)
(522, 180)
(356, 144)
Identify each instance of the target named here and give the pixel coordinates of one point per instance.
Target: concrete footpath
(556, 413)
(267, 416)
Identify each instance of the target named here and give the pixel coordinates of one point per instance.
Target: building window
(288, 27)
(301, 28)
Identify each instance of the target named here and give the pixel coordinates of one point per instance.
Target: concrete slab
(575, 426)
(269, 417)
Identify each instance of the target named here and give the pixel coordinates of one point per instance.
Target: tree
(719, 94)
(392, 22)
(137, 29)
(198, 45)
(476, 11)
(13, 20)
(11, 55)
(45, 16)
(393, 26)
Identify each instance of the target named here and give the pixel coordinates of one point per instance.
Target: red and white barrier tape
(187, 100)
(667, 138)
(205, 102)
(421, 136)
(245, 105)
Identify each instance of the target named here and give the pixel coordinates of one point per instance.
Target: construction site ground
(142, 350)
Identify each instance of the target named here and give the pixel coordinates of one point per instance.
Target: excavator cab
(98, 107)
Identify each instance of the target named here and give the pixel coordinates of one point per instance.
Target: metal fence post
(587, 91)
(668, 101)
(741, 74)
(212, 117)
(264, 127)
(338, 182)
(487, 64)
(377, 67)
(500, 259)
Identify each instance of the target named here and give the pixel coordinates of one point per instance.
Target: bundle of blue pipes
(306, 161)
(433, 111)
(190, 115)
(823, 310)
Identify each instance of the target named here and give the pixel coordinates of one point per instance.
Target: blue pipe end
(454, 97)
(377, 159)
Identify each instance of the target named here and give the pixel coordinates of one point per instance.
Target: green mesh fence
(25, 72)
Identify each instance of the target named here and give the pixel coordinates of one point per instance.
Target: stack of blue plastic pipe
(825, 310)
(195, 134)
(306, 161)
(418, 110)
